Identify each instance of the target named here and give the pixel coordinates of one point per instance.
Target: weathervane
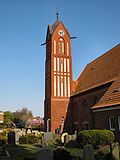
(57, 13)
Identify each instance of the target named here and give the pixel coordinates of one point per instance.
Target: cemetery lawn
(19, 152)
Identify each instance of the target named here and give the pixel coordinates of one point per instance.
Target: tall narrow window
(58, 64)
(54, 85)
(59, 47)
(65, 89)
(62, 47)
(68, 65)
(112, 123)
(61, 86)
(67, 49)
(119, 122)
(54, 63)
(58, 86)
(76, 113)
(61, 64)
(85, 111)
(64, 64)
(68, 86)
(54, 47)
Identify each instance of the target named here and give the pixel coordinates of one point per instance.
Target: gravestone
(88, 152)
(48, 136)
(17, 135)
(115, 150)
(11, 138)
(63, 137)
(44, 154)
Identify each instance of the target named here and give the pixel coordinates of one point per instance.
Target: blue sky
(23, 26)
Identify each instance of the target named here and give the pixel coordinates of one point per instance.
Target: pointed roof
(53, 27)
(103, 70)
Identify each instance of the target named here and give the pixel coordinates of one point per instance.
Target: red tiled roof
(111, 96)
(102, 70)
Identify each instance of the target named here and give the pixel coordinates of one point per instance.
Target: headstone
(28, 131)
(11, 138)
(63, 137)
(115, 150)
(88, 152)
(17, 135)
(44, 154)
(48, 136)
(72, 137)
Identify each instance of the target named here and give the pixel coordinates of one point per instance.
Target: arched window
(76, 112)
(61, 46)
(85, 111)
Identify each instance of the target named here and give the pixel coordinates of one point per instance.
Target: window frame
(119, 123)
(110, 124)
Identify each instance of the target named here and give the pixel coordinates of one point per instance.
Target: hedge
(95, 137)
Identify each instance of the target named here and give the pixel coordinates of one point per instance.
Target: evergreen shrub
(28, 139)
(3, 138)
(95, 137)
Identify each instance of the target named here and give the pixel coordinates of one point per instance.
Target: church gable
(100, 71)
(59, 28)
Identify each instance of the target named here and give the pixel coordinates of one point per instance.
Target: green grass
(2, 151)
(19, 152)
(75, 151)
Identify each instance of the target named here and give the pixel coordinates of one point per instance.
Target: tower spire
(57, 13)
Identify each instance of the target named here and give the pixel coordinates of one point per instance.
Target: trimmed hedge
(95, 137)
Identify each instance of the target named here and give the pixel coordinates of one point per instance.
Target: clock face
(61, 32)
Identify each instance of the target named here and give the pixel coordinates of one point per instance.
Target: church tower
(58, 76)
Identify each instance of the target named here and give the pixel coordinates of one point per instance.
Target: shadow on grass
(22, 152)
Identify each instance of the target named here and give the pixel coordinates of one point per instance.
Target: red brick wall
(58, 110)
(101, 118)
(78, 100)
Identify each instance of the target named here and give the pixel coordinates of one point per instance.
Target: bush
(62, 154)
(95, 137)
(3, 137)
(28, 139)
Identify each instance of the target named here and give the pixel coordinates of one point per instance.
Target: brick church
(93, 100)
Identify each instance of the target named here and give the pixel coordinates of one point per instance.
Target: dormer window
(116, 90)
